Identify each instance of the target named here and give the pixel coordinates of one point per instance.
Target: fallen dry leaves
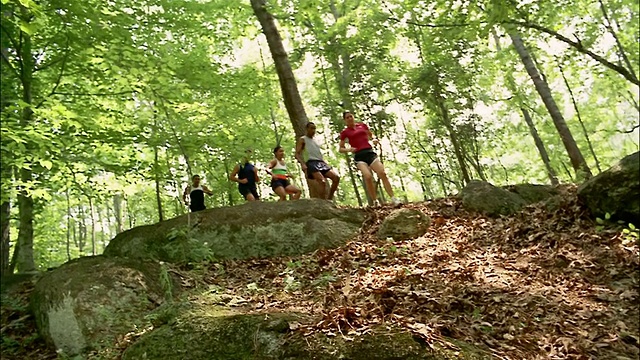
(535, 285)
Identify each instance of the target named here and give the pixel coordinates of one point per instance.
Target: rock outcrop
(88, 302)
(404, 224)
(482, 197)
(615, 191)
(257, 229)
(533, 193)
(199, 335)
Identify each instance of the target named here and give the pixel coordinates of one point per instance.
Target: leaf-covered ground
(539, 284)
(536, 285)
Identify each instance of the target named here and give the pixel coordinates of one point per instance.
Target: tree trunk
(553, 177)
(24, 261)
(82, 230)
(575, 156)
(93, 226)
(117, 210)
(288, 85)
(156, 171)
(540, 146)
(575, 107)
(68, 226)
(102, 229)
(457, 148)
(5, 216)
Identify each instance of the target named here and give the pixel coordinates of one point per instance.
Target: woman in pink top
(358, 136)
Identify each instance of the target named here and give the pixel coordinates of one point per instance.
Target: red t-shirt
(358, 136)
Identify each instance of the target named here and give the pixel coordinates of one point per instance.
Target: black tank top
(247, 172)
(197, 198)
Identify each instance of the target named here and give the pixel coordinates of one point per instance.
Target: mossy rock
(482, 197)
(202, 336)
(615, 191)
(256, 229)
(534, 193)
(87, 303)
(404, 224)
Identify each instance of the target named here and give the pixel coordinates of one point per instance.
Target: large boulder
(202, 336)
(255, 229)
(615, 191)
(87, 303)
(482, 197)
(404, 224)
(534, 193)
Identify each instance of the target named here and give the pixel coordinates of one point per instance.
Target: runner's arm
(234, 174)
(299, 149)
(255, 172)
(184, 195)
(206, 190)
(344, 149)
(270, 166)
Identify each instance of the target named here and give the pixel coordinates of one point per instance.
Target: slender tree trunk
(117, 210)
(457, 148)
(575, 107)
(575, 155)
(5, 244)
(102, 229)
(68, 245)
(25, 261)
(402, 186)
(156, 171)
(553, 177)
(82, 230)
(540, 146)
(93, 226)
(621, 51)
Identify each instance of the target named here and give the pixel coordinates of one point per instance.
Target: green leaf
(607, 216)
(46, 164)
(631, 226)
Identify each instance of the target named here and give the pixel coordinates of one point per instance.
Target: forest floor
(538, 284)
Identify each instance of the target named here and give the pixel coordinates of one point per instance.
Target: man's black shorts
(315, 166)
(196, 207)
(246, 190)
(276, 183)
(367, 156)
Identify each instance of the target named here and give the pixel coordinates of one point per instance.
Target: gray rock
(615, 191)
(404, 224)
(534, 193)
(482, 197)
(253, 336)
(256, 229)
(88, 302)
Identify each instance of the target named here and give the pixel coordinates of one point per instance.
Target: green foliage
(184, 248)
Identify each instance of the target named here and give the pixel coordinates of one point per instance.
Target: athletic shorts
(367, 156)
(246, 190)
(197, 207)
(315, 166)
(276, 183)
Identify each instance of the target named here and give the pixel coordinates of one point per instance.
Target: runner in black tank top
(196, 194)
(246, 175)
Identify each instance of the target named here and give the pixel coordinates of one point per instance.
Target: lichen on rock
(87, 303)
(404, 224)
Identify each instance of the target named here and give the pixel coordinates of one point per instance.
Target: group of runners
(356, 138)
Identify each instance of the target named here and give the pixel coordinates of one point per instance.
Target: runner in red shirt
(358, 136)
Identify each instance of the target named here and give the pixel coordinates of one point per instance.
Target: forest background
(109, 107)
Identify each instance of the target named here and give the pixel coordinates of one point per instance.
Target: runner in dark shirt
(246, 175)
(196, 192)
